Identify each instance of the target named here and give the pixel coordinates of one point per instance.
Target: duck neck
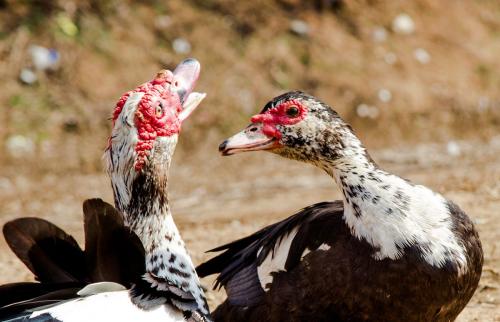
(391, 213)
(377, 205)
(375, 202)
(153, 223)
(149, 215)
(359, 179)
(168, 264)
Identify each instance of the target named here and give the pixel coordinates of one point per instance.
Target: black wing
(49, 253)
(237, 265)
(26, 296)
(112, 253)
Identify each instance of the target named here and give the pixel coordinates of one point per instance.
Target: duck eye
(292, 111)
(159, 110)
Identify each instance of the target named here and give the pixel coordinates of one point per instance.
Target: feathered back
(253, 249)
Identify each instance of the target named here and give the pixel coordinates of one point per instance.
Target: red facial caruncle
(156, 114)
(286, 113)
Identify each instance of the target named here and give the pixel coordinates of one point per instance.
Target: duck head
(297, 126)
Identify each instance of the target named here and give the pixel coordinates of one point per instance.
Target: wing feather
(237, 265)
(48, 252)
(113, 252)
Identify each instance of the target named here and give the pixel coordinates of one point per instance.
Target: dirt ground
(228, 198)
(349, 56)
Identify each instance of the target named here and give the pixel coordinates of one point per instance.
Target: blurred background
(418, 80)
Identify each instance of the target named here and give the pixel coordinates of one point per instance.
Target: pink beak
(250, 139)
(185, 76)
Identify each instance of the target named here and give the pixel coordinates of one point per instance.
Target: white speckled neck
(392, 214)
(141, 196)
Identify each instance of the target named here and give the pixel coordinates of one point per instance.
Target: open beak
(185, 76)
(250, 139)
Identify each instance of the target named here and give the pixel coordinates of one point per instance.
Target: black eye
(159, 110)
(292, 111)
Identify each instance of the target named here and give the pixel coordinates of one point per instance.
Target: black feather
(49, 253)
(244, 289)
(113, 252)
(142, 293)
(15, 292)
(243, 252)
(37, 294)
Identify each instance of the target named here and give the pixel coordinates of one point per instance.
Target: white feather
(109, 306)
(121, 155)
(307, 251)
(100, 287)
(426, 221)
(275, 261)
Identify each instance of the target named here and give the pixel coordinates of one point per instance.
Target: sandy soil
(249, 54)
(228, 198)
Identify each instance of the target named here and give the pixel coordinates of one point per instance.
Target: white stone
(181, 46)
(453, 149)
(422, 56)
(299, 27)
(379, 34)
(20, 146)
(403, 24)
(365, 110)
(384, 95)
(44, 58)
(27, 76)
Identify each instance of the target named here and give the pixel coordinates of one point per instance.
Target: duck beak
(185, 76)
(250, 139)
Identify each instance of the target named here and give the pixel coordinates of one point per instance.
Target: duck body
(391, 250)
(330, 275)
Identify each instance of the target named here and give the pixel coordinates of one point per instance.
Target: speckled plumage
(142, 198)
(390, 251)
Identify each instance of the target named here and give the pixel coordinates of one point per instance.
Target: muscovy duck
(146, 124)
(389, 251)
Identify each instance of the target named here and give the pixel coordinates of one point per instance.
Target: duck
(135, 266)
(390, 250)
